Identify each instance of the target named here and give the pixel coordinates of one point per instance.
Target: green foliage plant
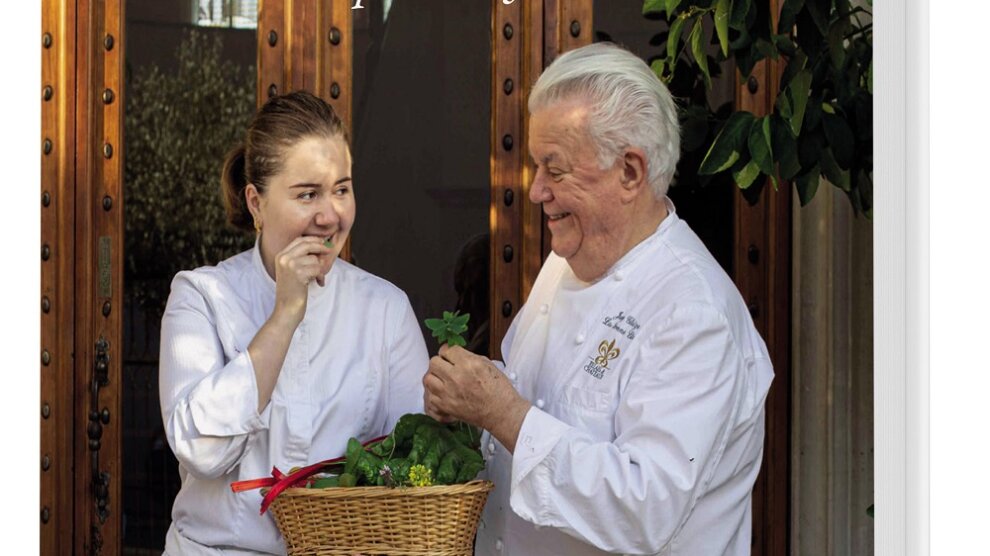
(821, 125)
(178, 127)
(420, 451)
(450, 328)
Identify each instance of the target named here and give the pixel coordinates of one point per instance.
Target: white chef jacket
(646, 433)
(354, 366)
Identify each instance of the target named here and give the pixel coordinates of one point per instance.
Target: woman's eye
(307, 195)
(341, 191)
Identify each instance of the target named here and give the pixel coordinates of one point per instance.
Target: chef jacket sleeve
(408, 363)
(209, 405)
(672, 422)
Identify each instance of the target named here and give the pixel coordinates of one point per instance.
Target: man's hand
(462, 386)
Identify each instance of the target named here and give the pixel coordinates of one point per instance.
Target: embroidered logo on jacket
(597, 366)
(623, 324)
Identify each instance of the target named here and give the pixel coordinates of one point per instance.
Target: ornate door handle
(94, 431)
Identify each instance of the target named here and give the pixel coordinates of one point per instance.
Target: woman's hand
(305, 259)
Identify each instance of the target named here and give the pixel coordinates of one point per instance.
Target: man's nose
(538, 190)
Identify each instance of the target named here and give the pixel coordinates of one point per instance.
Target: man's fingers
(440, 367)
(431, 382)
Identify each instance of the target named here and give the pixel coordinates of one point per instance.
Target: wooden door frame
(82, 274)
(762, 272)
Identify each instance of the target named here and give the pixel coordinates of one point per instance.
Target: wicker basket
(433, 520)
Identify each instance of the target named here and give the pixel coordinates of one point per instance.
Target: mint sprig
(448, 330)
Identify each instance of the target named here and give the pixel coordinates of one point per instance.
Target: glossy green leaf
(722, 10)
(797, 91)
(737, 16)
(807, 185)
(785, 45)
(673, 40)
(794, 66)
(869, 78)
(694, 127)
(727, 146)
(759, 145)
(819, 12)
(788, 13)
(766, 49)
(654, 6)
(784, 148)
(698, 50)
(784, 107)
(745, 177)
(659, 67)
(837, 32)
(840, 138)
(671, 6)
(832, 172)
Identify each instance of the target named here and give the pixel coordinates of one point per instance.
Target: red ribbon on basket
(280, 481)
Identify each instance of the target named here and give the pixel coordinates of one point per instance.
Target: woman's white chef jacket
(354, 366)
(646, 433)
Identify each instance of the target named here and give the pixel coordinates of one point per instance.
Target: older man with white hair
(628, 415)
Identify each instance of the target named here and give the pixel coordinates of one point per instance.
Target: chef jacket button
(619, 275)
(579, 339)
(539, 403)
(498, 545)
(512, 376)
(491, 447)
(544, 308)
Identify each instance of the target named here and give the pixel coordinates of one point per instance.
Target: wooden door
(81, 275)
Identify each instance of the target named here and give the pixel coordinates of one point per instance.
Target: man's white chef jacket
(646, 432)
(354, 366)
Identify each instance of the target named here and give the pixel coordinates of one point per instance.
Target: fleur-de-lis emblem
(606, 352)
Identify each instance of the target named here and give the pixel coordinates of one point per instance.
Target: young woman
(277, 355)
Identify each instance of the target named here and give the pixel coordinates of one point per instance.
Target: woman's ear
(253, 200)
(633, 172)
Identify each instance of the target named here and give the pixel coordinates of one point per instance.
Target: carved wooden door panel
(81, 276)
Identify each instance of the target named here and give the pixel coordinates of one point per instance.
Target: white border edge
(901, 272)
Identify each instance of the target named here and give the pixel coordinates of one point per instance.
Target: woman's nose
(327, 215)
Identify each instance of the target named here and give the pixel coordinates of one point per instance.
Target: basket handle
(280, 481)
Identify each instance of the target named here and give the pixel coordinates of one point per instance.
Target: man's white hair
(630, 106)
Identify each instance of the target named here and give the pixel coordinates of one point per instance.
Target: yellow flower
(420, 475)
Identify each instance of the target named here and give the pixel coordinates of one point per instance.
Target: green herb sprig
(448, 330)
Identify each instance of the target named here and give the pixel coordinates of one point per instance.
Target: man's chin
(563, 251)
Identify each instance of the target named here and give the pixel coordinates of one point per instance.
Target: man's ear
(633, 177)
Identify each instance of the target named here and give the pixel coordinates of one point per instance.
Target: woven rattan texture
(434, 520)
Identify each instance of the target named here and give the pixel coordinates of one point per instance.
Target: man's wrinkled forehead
(556, 129)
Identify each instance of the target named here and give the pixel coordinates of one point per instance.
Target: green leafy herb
(328, 244)
(448, 330)
(420, 451)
